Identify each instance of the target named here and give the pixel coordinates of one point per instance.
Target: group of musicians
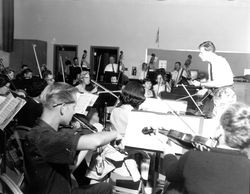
(50, 150)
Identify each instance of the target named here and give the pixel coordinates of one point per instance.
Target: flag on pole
(157, 39)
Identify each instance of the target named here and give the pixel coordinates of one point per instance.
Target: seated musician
(220, 84)
(4, 90)
(221, 170)
(84, 84)
(149, 92)
(131, 97)
(161, 85)
(49, 152)
(4, 85)
(48, 77)
(186, 78)
(176, 73)
(33, 108)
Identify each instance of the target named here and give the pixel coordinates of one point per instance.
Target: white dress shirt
(112, 68)
(221, 73)
(119, 118)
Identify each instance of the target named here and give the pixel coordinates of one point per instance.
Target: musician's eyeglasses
(63, 103)
(7, 86)
(50, 79)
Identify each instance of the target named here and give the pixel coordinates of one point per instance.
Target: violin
(84, 123)
(184, 140)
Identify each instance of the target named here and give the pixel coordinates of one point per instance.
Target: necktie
(210, 72)
(113, 67)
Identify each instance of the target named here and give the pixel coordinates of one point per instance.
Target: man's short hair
(24, 66)
(46, 74)
(178, 62)
(58, 92)
(67, 62)
(147, 80)
(28, 70)
(85, 69)
(236, 123)
(36, 87)
(3, 80)
(208, 46)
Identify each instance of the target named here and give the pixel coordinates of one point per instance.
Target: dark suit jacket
(218, 171)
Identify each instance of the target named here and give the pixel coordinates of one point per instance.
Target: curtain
(7, 25)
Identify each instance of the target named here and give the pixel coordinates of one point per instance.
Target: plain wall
(237, 61)
(132, 25)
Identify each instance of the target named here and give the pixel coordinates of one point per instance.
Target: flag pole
(157, 40)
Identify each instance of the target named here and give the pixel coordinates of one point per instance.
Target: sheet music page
(164, 106)
(140, 119)
(9, 108)
(84, 100)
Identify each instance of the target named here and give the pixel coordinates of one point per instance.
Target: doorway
(63, 53)
(99, 58)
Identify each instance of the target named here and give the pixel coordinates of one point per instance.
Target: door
(63, 53)
(99, 58)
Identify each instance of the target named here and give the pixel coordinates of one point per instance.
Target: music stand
(108, 75)
(179, 93)
(108, 96)
(8, 109)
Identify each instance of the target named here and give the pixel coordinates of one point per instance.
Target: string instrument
(184, 140)
(91, 129)
(62, 68)
(121, 69)
(206, 96)
(98, 68)
(84, 122)
(205, 102)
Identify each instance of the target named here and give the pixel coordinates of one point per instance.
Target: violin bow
(178, 116)
(120, 65)
(185, 97)
(192, 99)
(98, 68)
(61, 63)
(37, 62)
(105, 89)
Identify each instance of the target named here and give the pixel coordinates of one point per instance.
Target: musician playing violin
(49, 151)
(221, 170)
(84, 84)
(220, 78)
(131, 98)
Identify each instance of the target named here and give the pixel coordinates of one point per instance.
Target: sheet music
(164, 106)
(9, 108)
(85, 100)
(140, 119)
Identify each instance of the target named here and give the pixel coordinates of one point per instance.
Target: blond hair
(236, 124)
(58, 92)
